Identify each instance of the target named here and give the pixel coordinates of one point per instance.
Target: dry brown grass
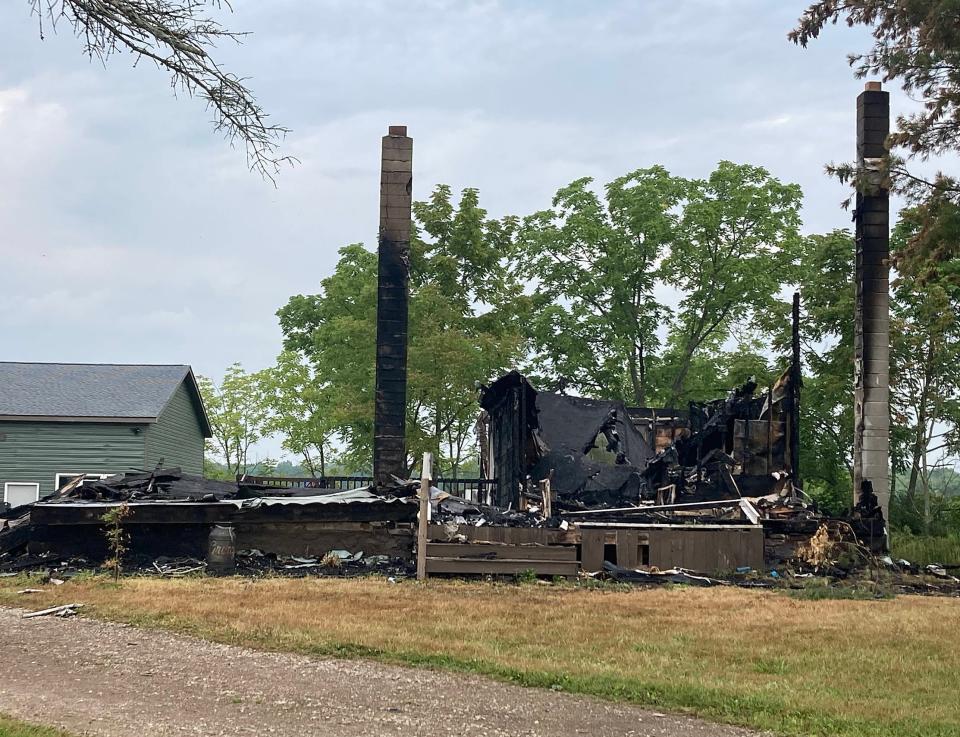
(754, 658)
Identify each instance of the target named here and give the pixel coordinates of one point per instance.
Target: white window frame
(35, 484)
(87, 477)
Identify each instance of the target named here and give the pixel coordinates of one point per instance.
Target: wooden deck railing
(475, 490)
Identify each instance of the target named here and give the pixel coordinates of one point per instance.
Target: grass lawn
(15, 728)
(755, 658)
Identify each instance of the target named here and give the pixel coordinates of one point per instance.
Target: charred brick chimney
(396, 179)
(871, 434)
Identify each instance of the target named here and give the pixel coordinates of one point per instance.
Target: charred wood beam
(796, 382)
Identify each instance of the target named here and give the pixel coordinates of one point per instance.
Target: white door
(16, 494)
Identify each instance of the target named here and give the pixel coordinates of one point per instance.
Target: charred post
(396, 180)
(871, 439)
(796, 383)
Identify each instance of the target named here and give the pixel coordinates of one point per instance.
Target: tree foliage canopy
(464, 328)
(594, 263)
(300, 411)
(925, 375)
(916, 42)
(633, 289)
(827, 337)
(239, 415)
(656, 291)
(925, 378)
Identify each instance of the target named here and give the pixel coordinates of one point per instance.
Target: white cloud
(777, 121)
(33, 132)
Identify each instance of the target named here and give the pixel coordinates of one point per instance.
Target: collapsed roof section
(601, 453)
(594, 454)
(590, 448)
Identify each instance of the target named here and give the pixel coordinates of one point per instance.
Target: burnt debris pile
(167, 484)
(602, 454)
(171, 514)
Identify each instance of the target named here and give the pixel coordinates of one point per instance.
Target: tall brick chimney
(871, 433)
(396, 180)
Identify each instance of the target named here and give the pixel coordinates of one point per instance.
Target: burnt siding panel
(706, 551)
(508, 441)
(177, 436)
(38, 451)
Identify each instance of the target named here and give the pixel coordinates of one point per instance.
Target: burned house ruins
(568, 484)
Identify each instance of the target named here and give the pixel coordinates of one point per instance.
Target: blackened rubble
(656, 473)
(172, 514)
(172, 484)
(595, 452)
(167, 484)
(601, 453)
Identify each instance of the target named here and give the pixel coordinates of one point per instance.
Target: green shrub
(925, 549)
(526, 576)
(832, 499)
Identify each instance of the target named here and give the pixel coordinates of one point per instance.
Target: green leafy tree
(605, 272)
(336, 332)
(735, 246)
(239, 415)
(463, 329)
(300, 405)
(118, 539)
(826, 332)
(213, 469)
(595, 319)
(925, 378)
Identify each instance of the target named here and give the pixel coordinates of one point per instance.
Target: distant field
(760, 659)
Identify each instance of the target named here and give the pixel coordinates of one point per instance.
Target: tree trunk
(309, 463)
(919, 448)
(699, 333)
(678, 381)
(638, 374)
(688, 350)
(915, 454)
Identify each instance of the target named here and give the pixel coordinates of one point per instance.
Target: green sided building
(60, 420)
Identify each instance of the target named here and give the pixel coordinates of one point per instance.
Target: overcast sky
(130, 232)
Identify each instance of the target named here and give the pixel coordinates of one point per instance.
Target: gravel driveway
(107, 679)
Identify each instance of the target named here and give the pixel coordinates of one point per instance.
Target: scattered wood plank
(423, 519)
(64, 610)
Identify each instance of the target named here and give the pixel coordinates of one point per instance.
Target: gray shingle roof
(73, 390)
